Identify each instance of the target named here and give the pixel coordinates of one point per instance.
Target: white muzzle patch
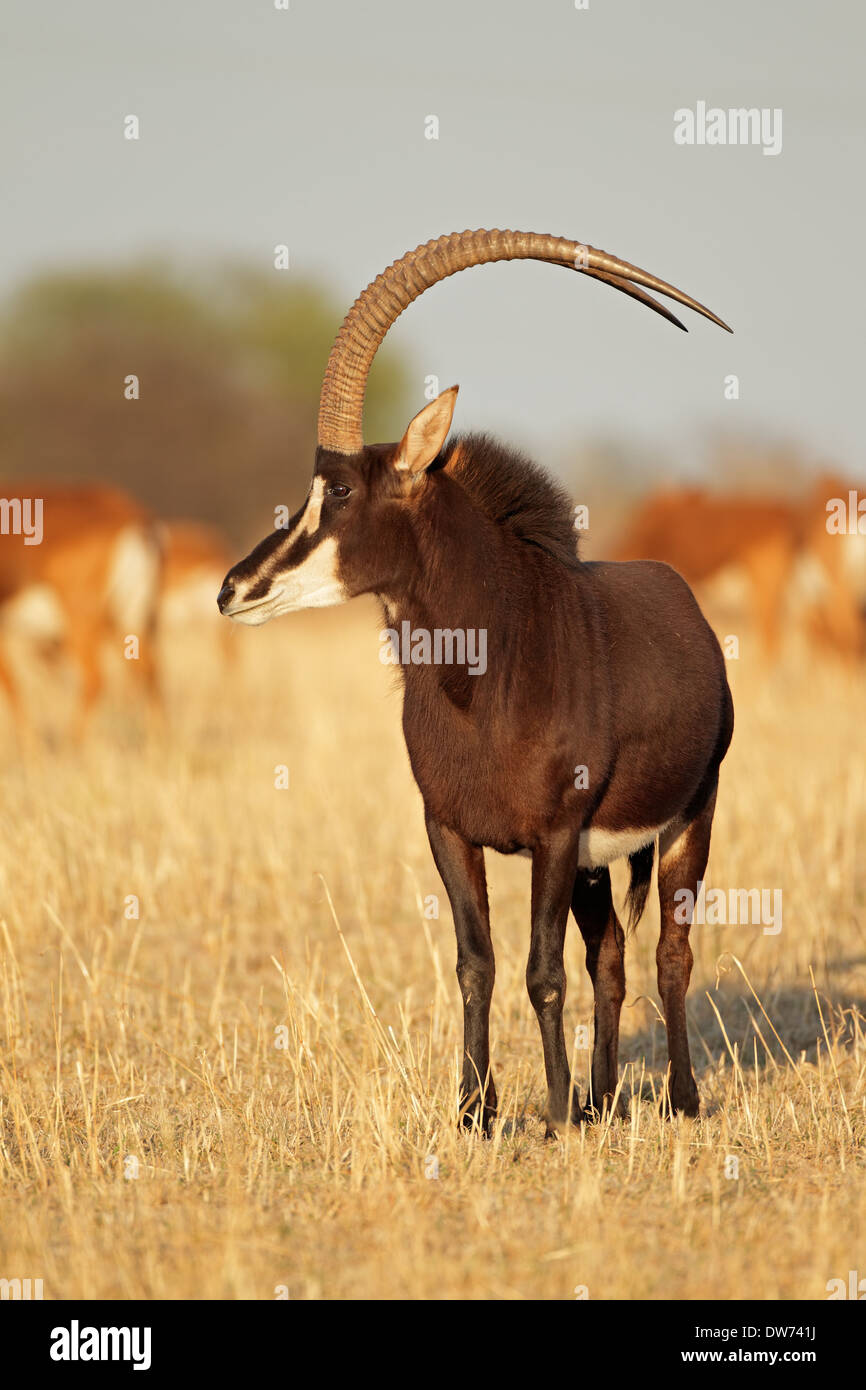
(313, 583)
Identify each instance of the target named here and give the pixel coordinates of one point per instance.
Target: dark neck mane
(514, 492)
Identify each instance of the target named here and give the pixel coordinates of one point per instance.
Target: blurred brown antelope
(79, 565)
(836, 618)
(701, 533)
(778, 543)
(598, 724)
(195, 556)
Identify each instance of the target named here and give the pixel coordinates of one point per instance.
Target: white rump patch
(133, 579)
(35, 612)
(599, 847)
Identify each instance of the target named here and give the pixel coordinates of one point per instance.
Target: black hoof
(553, 1128)
(477, 1118)
(681, 1100)
(594, 1115)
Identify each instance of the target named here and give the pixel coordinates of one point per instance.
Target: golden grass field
(307, 1170)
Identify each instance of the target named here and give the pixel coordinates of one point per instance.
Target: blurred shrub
(229, 364)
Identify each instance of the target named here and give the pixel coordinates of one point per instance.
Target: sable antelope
(79, 564)
(603, 668)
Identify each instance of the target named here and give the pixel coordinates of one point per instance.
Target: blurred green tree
(229, 364)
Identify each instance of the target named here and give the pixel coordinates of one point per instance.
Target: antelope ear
(426, 434)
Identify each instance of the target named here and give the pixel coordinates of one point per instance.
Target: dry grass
(306, 1166)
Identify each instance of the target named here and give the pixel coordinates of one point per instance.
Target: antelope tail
(641, 866)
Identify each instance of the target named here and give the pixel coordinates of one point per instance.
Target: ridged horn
(341, 405)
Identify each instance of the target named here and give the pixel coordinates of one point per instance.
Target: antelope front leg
(461, 867)
(554, 865)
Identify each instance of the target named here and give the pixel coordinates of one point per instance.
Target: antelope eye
(339, 490)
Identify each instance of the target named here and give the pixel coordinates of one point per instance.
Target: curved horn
(341, 405)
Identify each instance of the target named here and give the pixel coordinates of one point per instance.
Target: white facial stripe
(312, 584)
(309, 523)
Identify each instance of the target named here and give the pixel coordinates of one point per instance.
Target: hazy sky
(307, 127)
